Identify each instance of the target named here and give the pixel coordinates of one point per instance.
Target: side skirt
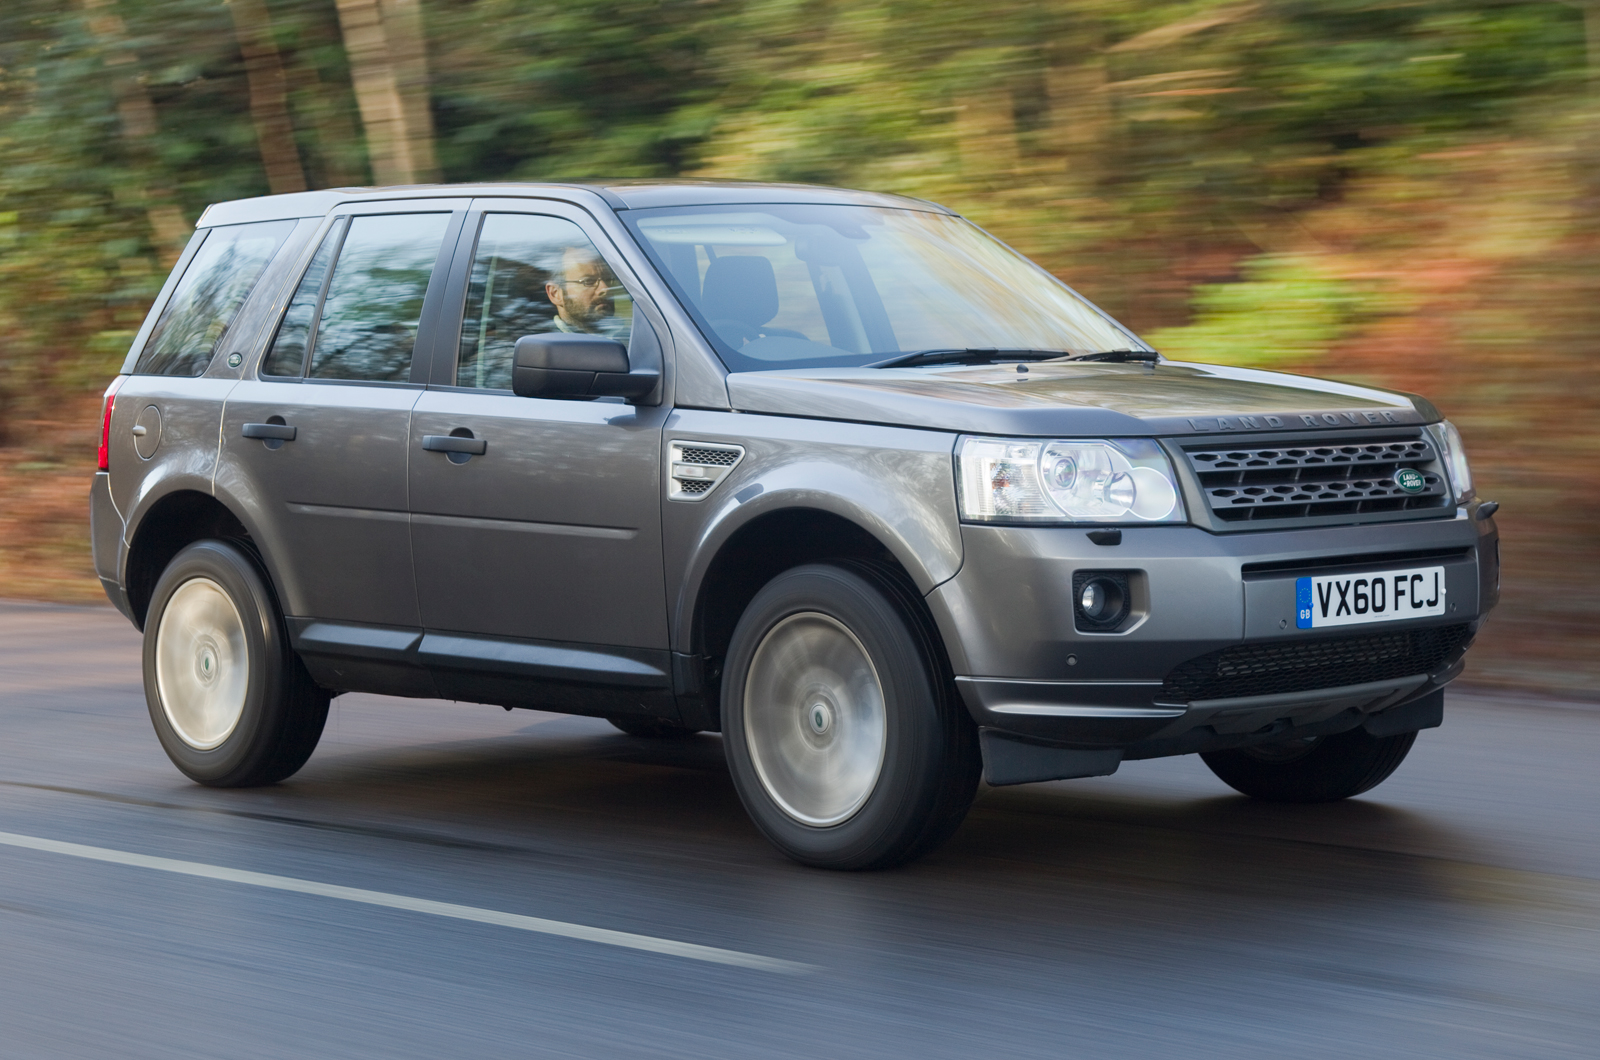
(597, 680)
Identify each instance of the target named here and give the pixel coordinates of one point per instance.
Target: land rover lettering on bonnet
(765, 461)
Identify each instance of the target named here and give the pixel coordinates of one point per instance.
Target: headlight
(1120, 480)
(1454, 456)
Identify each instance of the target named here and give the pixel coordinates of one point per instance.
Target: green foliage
(563, 89)
(1284, 311)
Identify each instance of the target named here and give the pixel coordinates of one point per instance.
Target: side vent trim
(694, 469)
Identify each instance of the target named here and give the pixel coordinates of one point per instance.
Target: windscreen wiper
(1119, 356)
(971, 355)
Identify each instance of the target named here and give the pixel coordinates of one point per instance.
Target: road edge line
(538, 925)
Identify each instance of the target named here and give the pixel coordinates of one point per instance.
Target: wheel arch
(752, 545)
(164, 527)
(760, 549)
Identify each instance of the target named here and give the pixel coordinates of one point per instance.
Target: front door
(553, 532)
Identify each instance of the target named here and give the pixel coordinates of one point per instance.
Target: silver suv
(835, 474)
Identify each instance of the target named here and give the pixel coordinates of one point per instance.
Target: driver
(582, 296)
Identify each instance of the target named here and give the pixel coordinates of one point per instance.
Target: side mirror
(562, 365)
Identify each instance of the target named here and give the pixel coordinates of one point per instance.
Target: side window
(534, 274)
(288, 353)
(368, 324)
(214, 286)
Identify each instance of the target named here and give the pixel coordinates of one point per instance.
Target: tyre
(652, 728)
(1314, 769)
(232, 704)
(844, 734)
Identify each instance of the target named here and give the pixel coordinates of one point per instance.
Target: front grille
(1303, 665)
(709, 457)
(1251, 483)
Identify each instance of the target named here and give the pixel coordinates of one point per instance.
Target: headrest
(740, 287)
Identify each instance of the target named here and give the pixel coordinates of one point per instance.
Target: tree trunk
(137, 115)
(337, 160)
(1591, 35)
(269, 96)
(986, 134)
(1080, 115)
(402, 20)
(389, 72)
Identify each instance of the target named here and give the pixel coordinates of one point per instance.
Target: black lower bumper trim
(1303, 664)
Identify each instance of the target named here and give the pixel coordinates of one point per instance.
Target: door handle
(449, 443)
(280, 431)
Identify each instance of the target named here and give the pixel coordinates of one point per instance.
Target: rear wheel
(1312, 769)
(232, 704)
(844, 735)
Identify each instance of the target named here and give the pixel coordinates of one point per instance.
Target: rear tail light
(105, 423)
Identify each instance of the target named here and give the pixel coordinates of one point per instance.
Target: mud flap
(1424, 713)
(1010, 760)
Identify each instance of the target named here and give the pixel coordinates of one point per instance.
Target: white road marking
(604, 936)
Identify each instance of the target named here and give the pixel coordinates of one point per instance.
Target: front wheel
(1312, 769)
(844, 735)
(232, 704)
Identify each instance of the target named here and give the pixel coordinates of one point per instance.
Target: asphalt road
(397, 897)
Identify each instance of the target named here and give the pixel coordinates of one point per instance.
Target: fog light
(1100, 600)
(1097, 599)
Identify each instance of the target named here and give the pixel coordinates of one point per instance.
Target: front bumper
(1202, 600)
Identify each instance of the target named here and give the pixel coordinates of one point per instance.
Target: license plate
(1382, 596)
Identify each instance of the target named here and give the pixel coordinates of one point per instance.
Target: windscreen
(799, 286)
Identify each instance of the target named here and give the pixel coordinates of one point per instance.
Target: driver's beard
(588, 317)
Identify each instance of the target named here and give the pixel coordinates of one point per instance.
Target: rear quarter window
(219, 278)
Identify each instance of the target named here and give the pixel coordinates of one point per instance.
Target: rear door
(315, 445)
(553, 532)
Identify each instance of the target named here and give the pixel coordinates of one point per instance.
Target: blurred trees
(1400, 191)
(1148, 151)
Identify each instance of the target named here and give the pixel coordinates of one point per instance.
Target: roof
(619, 195)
